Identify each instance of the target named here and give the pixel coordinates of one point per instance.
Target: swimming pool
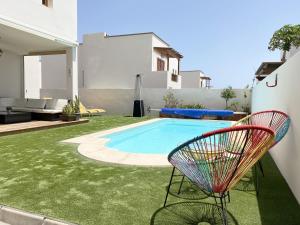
(160, 137)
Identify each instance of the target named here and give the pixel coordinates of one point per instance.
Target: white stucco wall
(54, 72)
(292, 52)
(157, 79)
(114, 62)
(61, 20)
(191, 79)
(284, 97)
(160, 79)
(11, 75)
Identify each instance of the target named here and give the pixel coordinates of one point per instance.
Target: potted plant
(76, 107)
(284, 38)
(71, 111)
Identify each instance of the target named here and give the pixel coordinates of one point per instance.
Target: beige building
(195, 79)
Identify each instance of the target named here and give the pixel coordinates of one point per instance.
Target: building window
(48, 3)
(160, 64)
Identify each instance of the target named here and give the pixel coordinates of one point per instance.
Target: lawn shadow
(277, 204)
(188, 191)
(190, 213)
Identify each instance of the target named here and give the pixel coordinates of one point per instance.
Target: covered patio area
(18, 79)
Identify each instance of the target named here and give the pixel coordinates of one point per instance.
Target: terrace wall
(120, 101)
(285, 97)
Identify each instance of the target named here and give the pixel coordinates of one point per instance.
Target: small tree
(227, 94)
(284, 38)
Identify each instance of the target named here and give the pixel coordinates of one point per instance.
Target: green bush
(192, 106)
(170, 100)
(234, 106)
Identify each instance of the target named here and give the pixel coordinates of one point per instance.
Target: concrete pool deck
(93, 147)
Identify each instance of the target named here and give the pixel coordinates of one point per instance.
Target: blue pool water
(161, 137)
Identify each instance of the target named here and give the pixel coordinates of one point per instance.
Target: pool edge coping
(90, 145)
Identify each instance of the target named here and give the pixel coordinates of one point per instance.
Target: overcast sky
(227, 39)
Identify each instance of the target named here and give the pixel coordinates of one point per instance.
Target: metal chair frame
(232, 152)
(276, 120)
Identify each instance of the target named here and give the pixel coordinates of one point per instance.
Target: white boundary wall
(285, 97)
(120, 101)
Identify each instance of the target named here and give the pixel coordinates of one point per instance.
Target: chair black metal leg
(179, 190)
(221, 207)
(170, 183)
(224, 211)
(228, 196)
(261, 167)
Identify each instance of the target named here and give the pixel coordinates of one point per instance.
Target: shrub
(170, 100)
(234, 106)
(192, 106)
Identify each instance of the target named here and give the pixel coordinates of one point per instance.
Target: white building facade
(195, 79)
(112, 62)
(30, 28)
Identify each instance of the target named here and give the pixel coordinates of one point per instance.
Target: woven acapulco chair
(277, 121)
(217, 160)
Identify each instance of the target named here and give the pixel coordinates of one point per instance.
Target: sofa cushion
(2, 109)
(5, 102)
(57, 104)
(19, 102)
(32, 110)
(36, 103)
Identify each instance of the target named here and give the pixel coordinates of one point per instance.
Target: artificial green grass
(38, 173)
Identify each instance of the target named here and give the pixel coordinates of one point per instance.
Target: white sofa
(37, 107)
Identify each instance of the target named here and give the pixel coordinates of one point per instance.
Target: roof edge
(135, 34)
